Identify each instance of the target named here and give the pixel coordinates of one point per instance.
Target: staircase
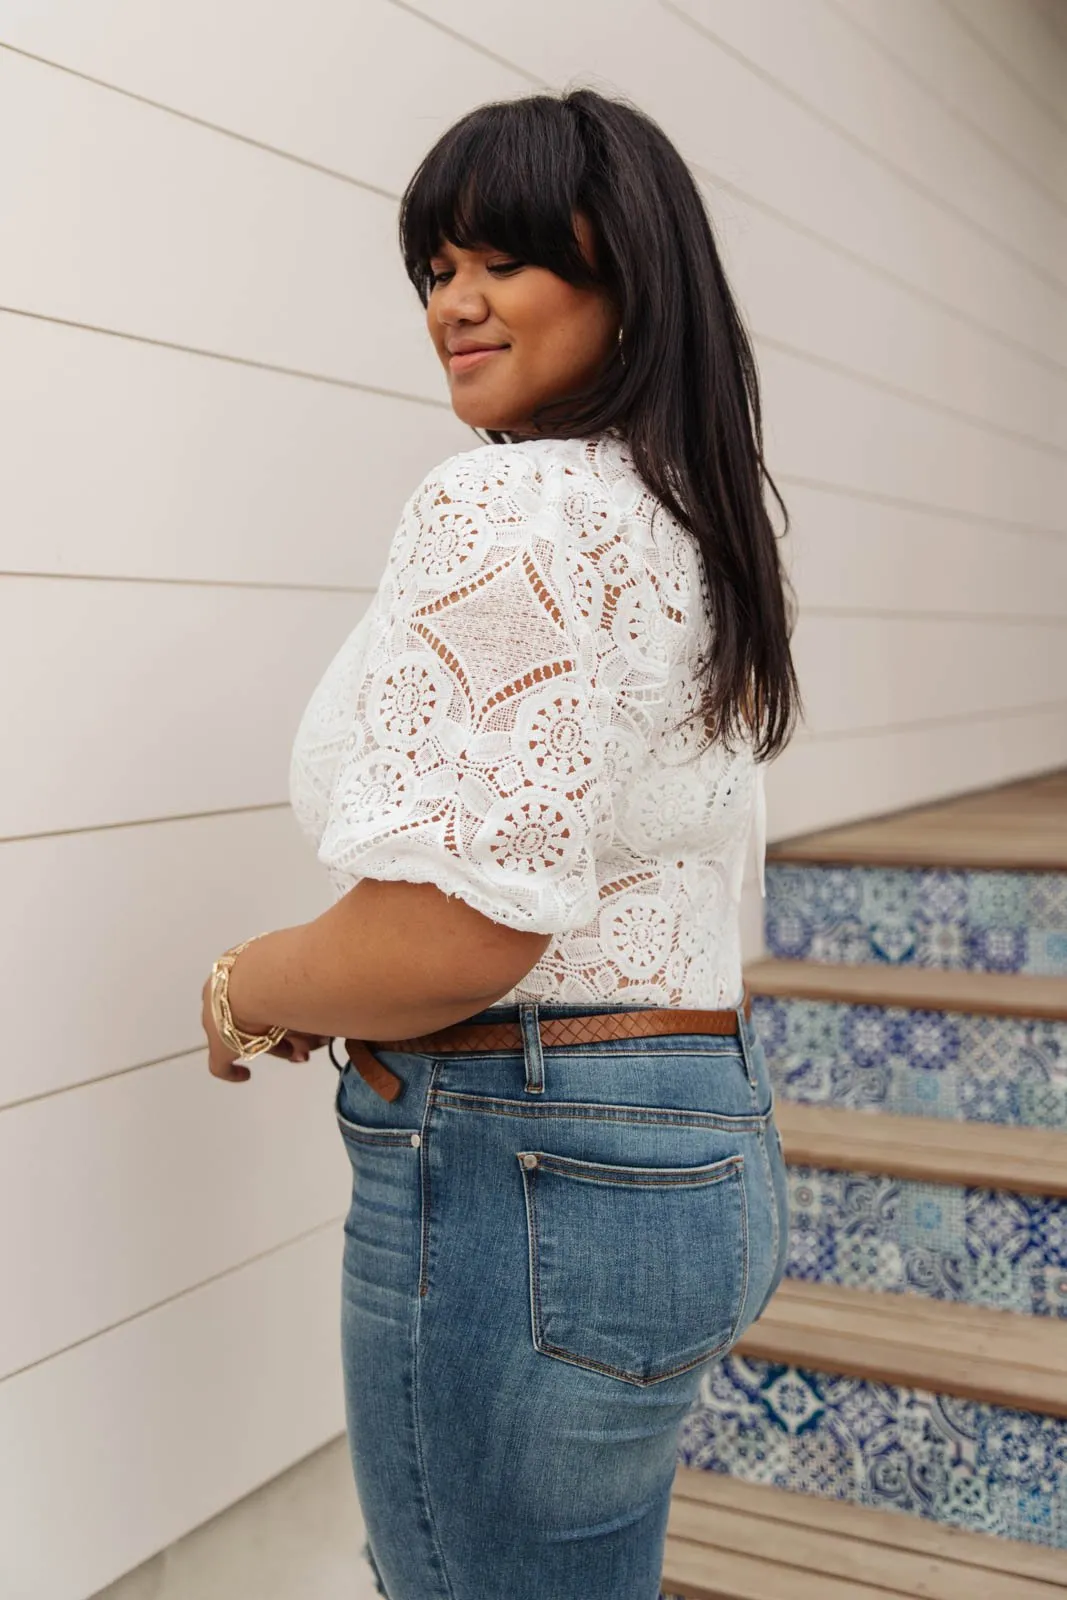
(896, 1422)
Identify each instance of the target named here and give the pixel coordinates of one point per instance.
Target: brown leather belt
(645, 1024)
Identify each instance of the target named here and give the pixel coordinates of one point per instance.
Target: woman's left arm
(389, 960)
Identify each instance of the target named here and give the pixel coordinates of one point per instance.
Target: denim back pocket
(636, 1272)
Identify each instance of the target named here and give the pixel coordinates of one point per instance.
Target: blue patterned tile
(916, 1063)
(987, 921)
(959, 1462)
(954, 1461)
(976, 1246)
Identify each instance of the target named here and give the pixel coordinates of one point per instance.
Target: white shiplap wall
(215, 394)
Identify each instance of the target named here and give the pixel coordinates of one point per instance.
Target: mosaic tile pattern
(926, 917)
(959, 1462)
(978, 1246)
(916, 1063)
(955, 1461)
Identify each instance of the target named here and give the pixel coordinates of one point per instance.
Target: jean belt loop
(533, 1059)
(745, 1038)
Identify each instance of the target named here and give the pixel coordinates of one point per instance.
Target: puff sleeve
(474, 760)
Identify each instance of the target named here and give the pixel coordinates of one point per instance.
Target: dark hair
(682, 387)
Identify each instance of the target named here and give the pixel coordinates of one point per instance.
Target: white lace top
(501, 722)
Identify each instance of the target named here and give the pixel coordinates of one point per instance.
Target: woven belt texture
(467, 1036)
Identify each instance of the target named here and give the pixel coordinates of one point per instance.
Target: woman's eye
(503, 267)
(498, 269)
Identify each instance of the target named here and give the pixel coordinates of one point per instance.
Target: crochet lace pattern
(510, 720)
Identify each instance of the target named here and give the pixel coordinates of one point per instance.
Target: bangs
(508, 176)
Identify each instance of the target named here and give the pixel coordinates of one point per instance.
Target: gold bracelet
(245, 1045)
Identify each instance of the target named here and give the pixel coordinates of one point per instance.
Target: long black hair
(681, 388)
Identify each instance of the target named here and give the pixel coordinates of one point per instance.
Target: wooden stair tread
(913, 1329)
(703, 1572)
(731, 1539)
(984, 1155)
(827, 1563)
(898, 1528)
(1001, 1357)
(1000, 994)
(1018, 827)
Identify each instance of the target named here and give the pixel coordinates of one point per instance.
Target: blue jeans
(545, 1249)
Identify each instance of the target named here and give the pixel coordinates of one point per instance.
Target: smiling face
(512, 337)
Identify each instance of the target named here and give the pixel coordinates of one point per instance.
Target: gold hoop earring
(622, 356)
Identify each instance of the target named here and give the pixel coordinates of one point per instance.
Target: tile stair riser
(960, 1462)
(919, 916)
(964, 1067)
(979, 1247)
(965, 1463)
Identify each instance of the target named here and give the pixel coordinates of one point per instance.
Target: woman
(532, 773)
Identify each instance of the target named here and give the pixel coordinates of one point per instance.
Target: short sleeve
(475, 760)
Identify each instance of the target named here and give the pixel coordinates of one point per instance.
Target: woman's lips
(472, 358)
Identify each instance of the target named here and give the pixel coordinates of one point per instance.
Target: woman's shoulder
(542, 467)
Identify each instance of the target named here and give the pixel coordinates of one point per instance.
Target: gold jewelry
(245, 1044)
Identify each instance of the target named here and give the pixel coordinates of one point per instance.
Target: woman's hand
(222, 1063)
